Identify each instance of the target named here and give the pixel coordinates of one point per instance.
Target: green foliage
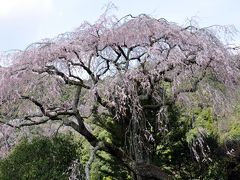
(233, 133)
(172, 152)
(212, 81)
(202, 119)
(172, 147)
(41, 158)
(104, 166)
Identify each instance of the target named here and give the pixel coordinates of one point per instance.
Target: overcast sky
(26, 21)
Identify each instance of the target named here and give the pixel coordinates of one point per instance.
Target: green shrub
(41, 158)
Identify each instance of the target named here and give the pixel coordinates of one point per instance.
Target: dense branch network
(116, 67)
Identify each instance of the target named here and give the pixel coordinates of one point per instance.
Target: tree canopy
(133, 70)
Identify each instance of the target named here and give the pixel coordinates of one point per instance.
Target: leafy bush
(41, 158)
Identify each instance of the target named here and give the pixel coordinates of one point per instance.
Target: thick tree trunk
(143, 170)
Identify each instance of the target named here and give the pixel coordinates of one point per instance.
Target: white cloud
(12, 8)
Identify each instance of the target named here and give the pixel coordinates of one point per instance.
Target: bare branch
(52, 70)
(37, 103)
(91, 159)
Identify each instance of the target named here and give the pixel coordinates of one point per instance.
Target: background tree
(134, 70)
(41, 158)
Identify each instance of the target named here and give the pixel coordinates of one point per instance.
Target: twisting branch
(87, 69)
(103, 102)
(37, 103)
(93, 151)
(49, 112)
(52, 70)
(43, 121)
